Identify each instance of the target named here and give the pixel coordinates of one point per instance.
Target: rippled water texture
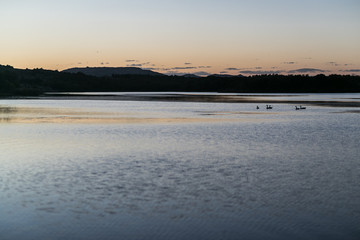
(96, 169)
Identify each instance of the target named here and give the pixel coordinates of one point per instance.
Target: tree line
(34, 82)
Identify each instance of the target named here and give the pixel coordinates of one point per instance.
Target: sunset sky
(188, 36)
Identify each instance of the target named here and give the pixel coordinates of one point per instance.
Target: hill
(111, 71)
(32, 82)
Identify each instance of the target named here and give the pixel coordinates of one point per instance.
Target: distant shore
(194, 97)
(35, 82)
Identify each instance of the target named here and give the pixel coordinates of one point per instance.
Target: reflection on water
(237, 173)
(46, 114)
(212, 96)
(5, 112)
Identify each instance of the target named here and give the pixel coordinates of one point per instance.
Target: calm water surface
(166, 170)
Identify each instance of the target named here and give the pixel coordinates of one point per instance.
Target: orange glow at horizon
(183, 37)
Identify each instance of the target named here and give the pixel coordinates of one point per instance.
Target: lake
(108, 169)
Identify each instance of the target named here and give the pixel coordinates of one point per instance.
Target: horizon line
(299, 71)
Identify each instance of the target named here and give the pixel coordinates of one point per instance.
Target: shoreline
(191, 97)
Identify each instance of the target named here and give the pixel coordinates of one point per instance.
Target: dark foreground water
(161, 170)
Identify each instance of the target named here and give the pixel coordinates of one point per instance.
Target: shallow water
(162, 170)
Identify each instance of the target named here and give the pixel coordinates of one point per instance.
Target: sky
(189, 36)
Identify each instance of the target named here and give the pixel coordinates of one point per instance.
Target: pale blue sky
(210, 36)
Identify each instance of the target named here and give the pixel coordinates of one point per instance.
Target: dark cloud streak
(182, 68)
(134, 65)
(201, 73)
(249, 72)
(306, 70)
(352, 71)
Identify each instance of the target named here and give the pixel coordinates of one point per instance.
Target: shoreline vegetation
(18, 83)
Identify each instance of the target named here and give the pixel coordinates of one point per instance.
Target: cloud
(205, 67)
(131, 60)
(290, 63)
(182, 68)
(223, 72)
(332, 63)
(201, 73)
(174, 73)
(134, 65)
(249, 72)
(187, 63)
(232, 69)
(352, 71)
(306, 70)
(157, 69)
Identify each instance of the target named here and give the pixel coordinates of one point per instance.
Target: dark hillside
(23, 82)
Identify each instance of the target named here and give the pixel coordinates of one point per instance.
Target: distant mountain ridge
(34, 82)
(111, 71)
